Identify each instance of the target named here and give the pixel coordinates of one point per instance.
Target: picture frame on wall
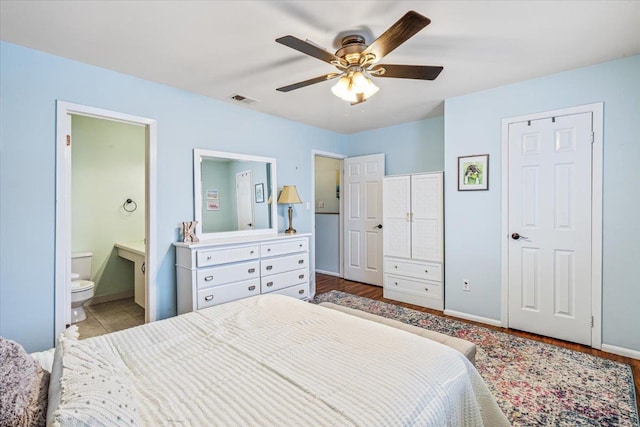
(213, 205)
(259, 193)
(213, 194)
(473, 172)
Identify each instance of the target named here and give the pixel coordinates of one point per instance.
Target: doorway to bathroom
(105, 203)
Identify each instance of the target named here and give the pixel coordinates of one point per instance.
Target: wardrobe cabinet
(215, 272)
(413, 239)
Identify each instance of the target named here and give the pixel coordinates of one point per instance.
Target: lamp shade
(289, 195)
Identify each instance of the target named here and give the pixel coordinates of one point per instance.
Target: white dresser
(218, 271)
(413, 239)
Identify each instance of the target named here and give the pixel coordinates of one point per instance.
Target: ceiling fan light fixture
(354, 86)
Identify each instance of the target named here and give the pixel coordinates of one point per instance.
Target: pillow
(93, 391)
(56, 371)
(23, 387)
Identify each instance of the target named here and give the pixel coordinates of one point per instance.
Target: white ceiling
(221, 48)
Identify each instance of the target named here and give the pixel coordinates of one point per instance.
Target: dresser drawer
(286, 263)
(298, 291)
(281, 248)
(282, 280)
(225, 293)
(206, 258)
(238, 272)
(424, 288)
(420, 270)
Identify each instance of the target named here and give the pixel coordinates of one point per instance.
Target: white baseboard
(111, 297)
(621, 351)
(473, 317)
(328, 273)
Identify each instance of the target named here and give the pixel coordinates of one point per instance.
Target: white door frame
(319, 153)
(62, 290)
(596, 211)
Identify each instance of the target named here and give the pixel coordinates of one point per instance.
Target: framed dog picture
(473, 172)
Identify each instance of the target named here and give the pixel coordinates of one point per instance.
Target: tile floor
(110, 317)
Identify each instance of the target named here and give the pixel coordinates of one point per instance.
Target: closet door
(396, 212)
(426, 230)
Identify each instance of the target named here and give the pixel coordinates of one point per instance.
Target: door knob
(516, 236)
(379, 226)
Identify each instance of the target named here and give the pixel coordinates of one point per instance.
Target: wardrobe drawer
(223, 256)
(225, 293)
(282, 280)
(238, 272)
(416, 269)
(298, 291)
(286, 263)
(280, 248)
(397, 283)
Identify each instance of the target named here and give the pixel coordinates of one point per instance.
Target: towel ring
(127, 204)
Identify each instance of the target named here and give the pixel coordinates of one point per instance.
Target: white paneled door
(550, 179)
(363, 218)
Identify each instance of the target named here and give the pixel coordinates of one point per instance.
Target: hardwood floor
(326, 283)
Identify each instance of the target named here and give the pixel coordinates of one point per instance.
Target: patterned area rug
(535, 384)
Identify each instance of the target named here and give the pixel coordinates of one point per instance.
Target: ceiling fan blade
(308, 48)
(398, 33)
(308, 82)
(419, 72)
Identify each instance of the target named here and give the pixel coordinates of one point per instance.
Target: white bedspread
(276, 361)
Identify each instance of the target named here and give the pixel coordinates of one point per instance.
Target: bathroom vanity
(218, 271)
(135, 252)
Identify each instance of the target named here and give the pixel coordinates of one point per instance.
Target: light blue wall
(408, 147)
(327, 237)
(472, 242)
(30, 84)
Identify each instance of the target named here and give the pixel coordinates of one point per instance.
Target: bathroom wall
(108, 167)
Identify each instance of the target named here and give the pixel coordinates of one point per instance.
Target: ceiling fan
(357, 62)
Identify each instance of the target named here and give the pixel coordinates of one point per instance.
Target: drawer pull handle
(251, 270)
(269, 284)
(301, 261)
(251, 252)
(426, 271)
(396, 283)
(208, 298)
(268, 249)
(252, 288)
(269, 267)
(300, 245)
(301, 276)
(395, 266)
(301, 291)
(208, 278)
(426, 289)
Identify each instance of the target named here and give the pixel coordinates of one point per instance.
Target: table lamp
(289, 195)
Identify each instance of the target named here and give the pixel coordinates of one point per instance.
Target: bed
(268, 360)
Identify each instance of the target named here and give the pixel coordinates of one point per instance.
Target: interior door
(363, 218)
(550, 226)
(244, 200)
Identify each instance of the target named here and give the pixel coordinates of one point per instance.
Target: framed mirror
(233, 194)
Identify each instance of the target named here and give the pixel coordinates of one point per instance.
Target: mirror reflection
(233, 192)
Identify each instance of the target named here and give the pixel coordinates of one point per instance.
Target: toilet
(81, 287)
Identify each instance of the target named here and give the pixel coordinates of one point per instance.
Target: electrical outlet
(466, 285)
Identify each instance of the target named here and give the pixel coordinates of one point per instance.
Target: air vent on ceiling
(243, 99)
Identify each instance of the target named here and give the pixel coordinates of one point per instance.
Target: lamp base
(290, 230)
